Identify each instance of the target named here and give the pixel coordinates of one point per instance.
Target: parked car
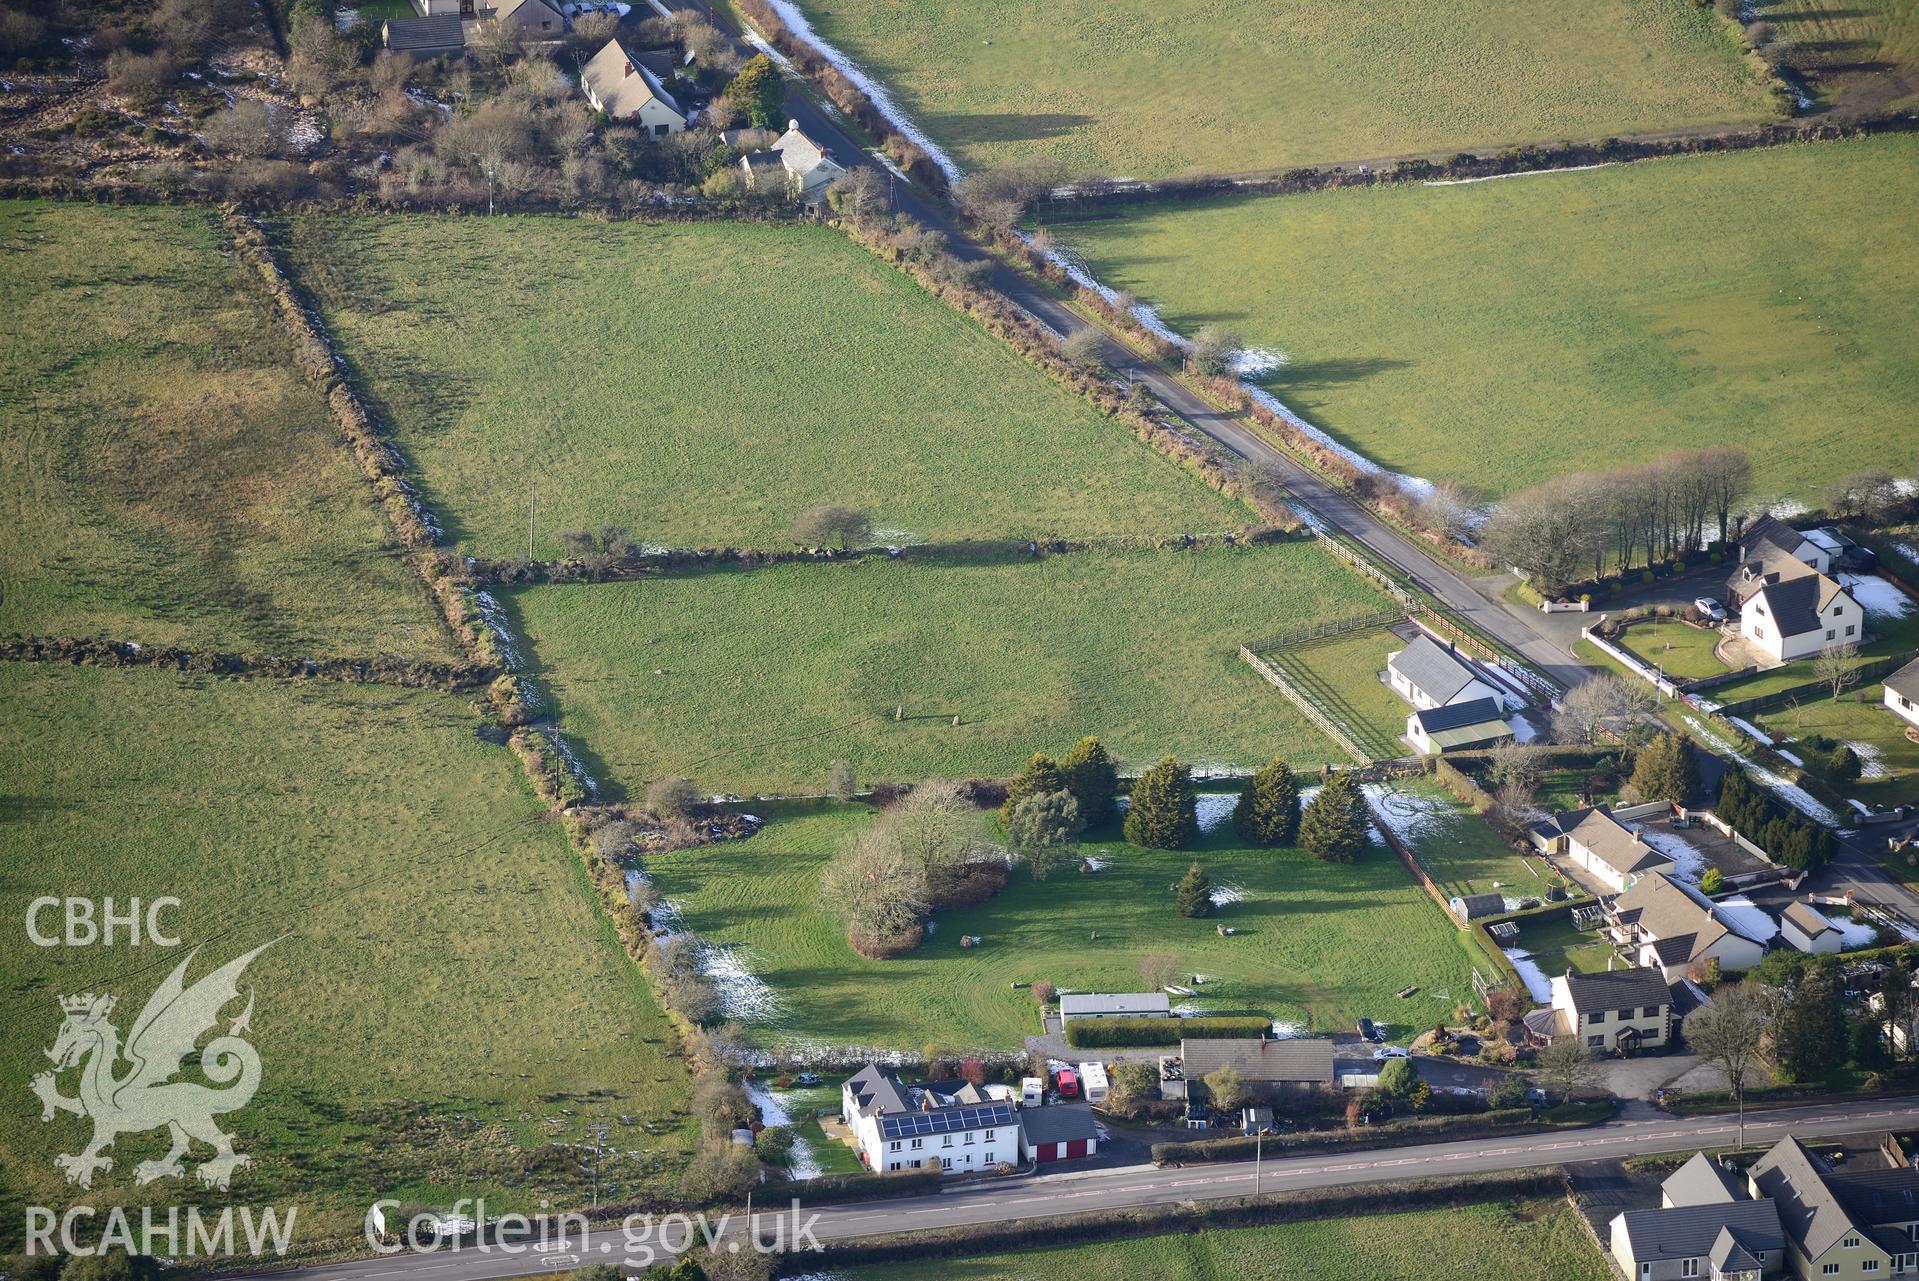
(1711, 609)
(807, 1078)
(1068, 1083)
(1391, 1052)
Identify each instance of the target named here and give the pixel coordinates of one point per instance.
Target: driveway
(1634, 1080)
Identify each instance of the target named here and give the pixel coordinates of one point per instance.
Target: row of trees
(1575, 526)
(1786, 834)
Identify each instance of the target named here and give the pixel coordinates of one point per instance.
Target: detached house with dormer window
(900, 1127)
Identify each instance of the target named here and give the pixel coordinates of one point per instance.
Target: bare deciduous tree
(1159, 970)
(881, 888)
(1566, 1067)
(1728, 1033)
(1084, 348)
(1214, 351)
(1837, 666)
(1600, 700)
(830, 525)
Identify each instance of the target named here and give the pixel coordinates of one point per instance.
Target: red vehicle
(1068, 1083)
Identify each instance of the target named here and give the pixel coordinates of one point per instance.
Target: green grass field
(1501, 333)
(1682, 652)
(1342, 675)
(1558, 945)
(418, 893)
(1861, 719)
(703, 383)
(1307, 946)
(758, 679)
(1535, 1241)
(1459, 850)
(1145, 90)
(168, 477)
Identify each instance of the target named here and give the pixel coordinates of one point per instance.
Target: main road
(1046, 1195)
(1520, 630)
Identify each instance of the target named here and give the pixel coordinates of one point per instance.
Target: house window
(1850, 1243)
(894, 1146)
(1838, 611)
(1651, 1012)
(1597, 1016)
(1596, 1042)
(1868, 1265)
(1830, 634)
(1625, 1014)
(1689, 1267)
(659, 131)
(969, 1141)
(1850, 629)
(989, 1136)
(892, 1165)
(918, 1144)
(948, 1141)
(946, 1163)
(1758, 632)
(1830, 1270)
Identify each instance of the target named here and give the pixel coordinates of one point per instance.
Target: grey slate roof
(1905, 680)
(1810, 1212)
(874, 1084)
(1693, 1231)
(1612, 843)
(425, 35)
(1807, 919)
(1433, 668)
(1058, 1123)
(1795, 603)
(1470, 907)
(1299, 1059)
(1889, 1195)
(1702, 1181)
(1145, 1004)
(1617, 990)
(1472, 712)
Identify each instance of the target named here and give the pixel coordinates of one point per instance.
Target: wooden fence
(1298, 698)
(1322, 631)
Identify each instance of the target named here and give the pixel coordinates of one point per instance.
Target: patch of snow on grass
(803, 30)
(743, 994)
(574, 765)
(1257, 362)
(1876, 595)
(1215, 809)
(1523, 173)
(1224, 894)
(493, 614)
(1872, 762)
(1410, 815)
(1689, 864)
(1759, 735)
(1791, 793)
(1537, 984)
(802, 1164)
(1747, 917)
(1854, 934)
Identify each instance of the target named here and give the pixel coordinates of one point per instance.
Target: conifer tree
(1165, 812)
(1093, 779)
(1195, 893)
(1337, 825)
(1040, 776)
(1268, 810)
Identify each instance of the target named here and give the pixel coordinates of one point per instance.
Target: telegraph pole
(1259, 1150)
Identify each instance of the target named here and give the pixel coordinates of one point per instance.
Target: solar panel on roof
(944, 1120)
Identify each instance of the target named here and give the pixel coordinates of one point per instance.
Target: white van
(1092, 1082)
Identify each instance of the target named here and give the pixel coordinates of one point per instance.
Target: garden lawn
(1341, 676)
(1557, 945)
(417, 894)
(1145, 90)
(1307, 946)
(703, 383)
(1861, 720)
(168, 477)
(1457, 847)
(1501, 333)
(1532, 1241)
(1891, 634)
(1682, 652)
(758, 679)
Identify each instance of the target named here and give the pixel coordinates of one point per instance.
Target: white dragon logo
(146, 1097)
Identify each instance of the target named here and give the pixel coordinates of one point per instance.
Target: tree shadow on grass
(1005, 126)
(1313, 375)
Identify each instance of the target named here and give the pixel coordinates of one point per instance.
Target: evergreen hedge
(1093, 1033)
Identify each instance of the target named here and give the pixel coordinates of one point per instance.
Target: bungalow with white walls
(806, 166)
(619, 84)
(1594, 840)
(1902, 693)
(1429, 674)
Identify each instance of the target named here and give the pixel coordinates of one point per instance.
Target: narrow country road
(1517, 628)
(1003, 1200)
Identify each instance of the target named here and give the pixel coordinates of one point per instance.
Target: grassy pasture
(758, 679)
(420, 893)
(1861, 719)
(1342, 674)
(1500, 333)
(703, 383)
(1533, 1241)
(1146, 90)
(1306, 948)
(1682, 652)
(167, 475)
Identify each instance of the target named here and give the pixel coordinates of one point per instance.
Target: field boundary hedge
(1087, 1034)
(80, 651)
(1406, 1133)
(1096, 193)
(1192, 1216)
